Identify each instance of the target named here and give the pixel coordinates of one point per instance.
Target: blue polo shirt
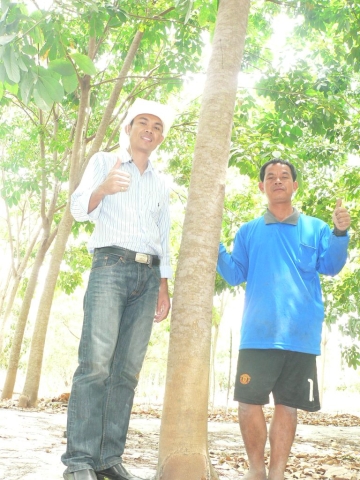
(281, 263)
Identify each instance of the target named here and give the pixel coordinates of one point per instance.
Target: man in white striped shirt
(129, 204)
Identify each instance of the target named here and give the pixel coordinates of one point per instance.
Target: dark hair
(274, 161)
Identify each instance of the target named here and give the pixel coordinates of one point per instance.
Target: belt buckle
(142, 258)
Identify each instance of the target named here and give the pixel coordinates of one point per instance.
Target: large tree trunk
(183, 448)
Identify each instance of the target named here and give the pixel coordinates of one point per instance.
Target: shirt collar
(126, 158)
(290, 220)
(125, 155)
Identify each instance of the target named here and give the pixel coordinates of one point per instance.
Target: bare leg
(281, 436)
(254, 433)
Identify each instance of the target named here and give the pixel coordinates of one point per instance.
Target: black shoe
(117, 472)
(81, 475)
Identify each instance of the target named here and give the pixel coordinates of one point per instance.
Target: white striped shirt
(137, 219)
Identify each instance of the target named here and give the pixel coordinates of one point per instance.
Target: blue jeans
(119, 308)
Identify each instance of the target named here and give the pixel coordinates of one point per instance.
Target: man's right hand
(341, 217)
(116, 181)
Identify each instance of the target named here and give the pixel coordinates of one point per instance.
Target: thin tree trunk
(15, 286)
(212, 363)
(229, 376)
(4, 289)
(29, 394)
(183, 447)
(114, 97)
(14, 358)
(214, 345)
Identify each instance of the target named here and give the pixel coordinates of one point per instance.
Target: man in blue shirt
(129, 204)
(280, 255)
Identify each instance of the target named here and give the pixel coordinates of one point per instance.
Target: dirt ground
(32, 441)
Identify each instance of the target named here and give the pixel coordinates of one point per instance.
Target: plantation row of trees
(68, 74)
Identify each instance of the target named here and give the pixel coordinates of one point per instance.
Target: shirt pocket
(308, 246)
(154, 206)
(307, 257)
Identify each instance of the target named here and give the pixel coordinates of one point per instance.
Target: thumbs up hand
(116, 181)
(341, 217)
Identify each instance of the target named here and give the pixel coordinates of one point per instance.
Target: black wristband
(339, 233)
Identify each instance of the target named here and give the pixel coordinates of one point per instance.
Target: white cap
(164, 112)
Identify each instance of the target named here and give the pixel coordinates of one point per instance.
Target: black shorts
(290, 376)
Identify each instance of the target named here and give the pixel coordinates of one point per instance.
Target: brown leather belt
(130, 255)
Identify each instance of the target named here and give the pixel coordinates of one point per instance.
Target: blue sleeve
(333, 253)
(233, 267)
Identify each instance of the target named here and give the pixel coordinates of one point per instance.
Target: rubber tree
(183, 448)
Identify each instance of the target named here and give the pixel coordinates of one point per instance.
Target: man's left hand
(341, 217)
(163, 303)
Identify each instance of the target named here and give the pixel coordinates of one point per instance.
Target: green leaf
(122, 15)
(96, 25)
(204, 13)
(296, 131)
(41, 97)
(12, 88)
(4, 7)
(1, 90)
(36, 35)
(11, 66)
(53, 88)
(70, 83)
(4, 39)
(30, 50)
(3, 76)
(84, 63)
(22, 65)
(62, 66)
(26, 86)
(115, 22)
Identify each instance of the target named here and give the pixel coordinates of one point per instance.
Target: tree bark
(114, 97)
(29, 394)
(212, 363)
(183, 448)
(14, 358)
(15, 285)
(230, 371)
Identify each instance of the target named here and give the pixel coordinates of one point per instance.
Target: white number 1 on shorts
(311, 392)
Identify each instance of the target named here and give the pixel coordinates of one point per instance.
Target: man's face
(278, 184)
(145, 132)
